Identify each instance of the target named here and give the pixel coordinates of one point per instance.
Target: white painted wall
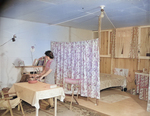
(29, 34)
(80, 34)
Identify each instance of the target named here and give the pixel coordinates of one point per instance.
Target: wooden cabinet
(122, 42)
(144, 42)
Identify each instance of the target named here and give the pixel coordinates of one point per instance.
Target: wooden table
(32, 93)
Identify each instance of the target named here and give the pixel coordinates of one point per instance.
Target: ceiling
(82, 14)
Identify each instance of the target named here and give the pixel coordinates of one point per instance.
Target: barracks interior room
(101, 46)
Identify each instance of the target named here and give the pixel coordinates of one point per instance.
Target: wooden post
(99, 38)
(99, 32)
(69, 34)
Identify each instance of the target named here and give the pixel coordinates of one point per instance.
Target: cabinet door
(122, 42)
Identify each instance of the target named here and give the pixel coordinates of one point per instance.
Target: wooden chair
(75, 84)
(7, 103)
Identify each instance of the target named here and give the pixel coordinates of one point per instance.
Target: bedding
(111, 80)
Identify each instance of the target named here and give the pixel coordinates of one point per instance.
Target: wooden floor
(132, 106)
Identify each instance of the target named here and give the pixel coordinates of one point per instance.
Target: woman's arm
(40, 74)
(45, 74)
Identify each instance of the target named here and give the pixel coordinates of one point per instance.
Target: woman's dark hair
(49, 54)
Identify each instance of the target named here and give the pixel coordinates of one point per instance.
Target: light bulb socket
(102, 10)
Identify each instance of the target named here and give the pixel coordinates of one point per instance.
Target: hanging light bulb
(102, 11)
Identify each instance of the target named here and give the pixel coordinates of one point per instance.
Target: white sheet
(111, 80)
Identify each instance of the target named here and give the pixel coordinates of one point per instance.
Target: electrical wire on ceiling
(75, 18)
(103, 13)
(109, 20)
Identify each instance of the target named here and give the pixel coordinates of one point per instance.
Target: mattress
(111, 80)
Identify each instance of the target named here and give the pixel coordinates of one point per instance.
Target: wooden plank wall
(105, 65)
(126, 63)
(144, 63)
(104, 43)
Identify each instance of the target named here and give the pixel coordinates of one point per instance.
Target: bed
(111, 80)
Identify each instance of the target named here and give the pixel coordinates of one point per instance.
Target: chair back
(6, 102)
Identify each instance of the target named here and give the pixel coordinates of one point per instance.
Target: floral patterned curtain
(79, 60)
(148, 102)
(112, 42)
(134, 43)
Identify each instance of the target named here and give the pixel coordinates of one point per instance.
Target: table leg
(37, 111)
(55, 110)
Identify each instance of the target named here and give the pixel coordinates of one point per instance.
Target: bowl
(32, 81)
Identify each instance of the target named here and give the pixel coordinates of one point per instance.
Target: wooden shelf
(144, 57)
(142, 73)
(28, 66)
(28, 69)
(105, 55)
